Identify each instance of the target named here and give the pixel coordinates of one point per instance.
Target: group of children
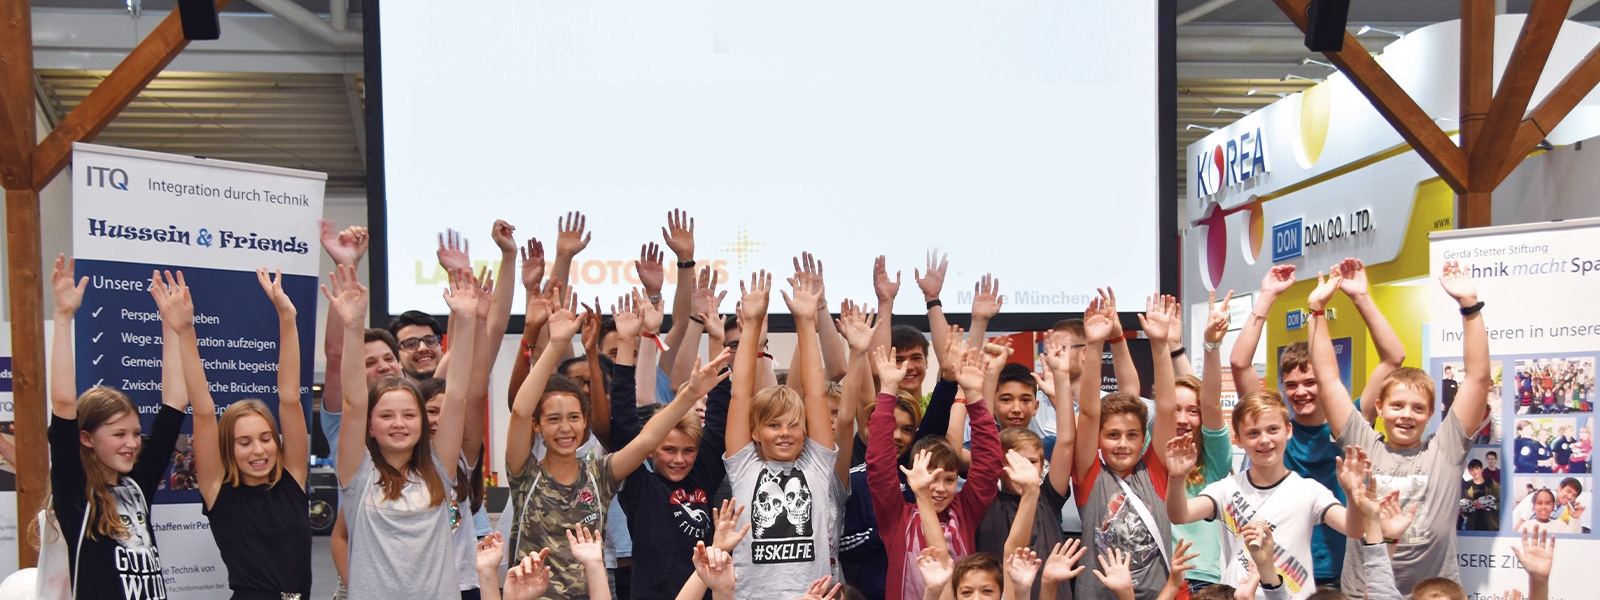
(736, 486)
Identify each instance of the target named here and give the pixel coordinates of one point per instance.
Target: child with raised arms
(1426, 472)
(564, 490)
(393, 483)
(103, 472)
(252, 483)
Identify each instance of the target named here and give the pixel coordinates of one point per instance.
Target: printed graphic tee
(793, 512)
(1291, 506)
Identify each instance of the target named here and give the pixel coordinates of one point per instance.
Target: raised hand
(955, 344)
(1056, 359)
(1458, 283)
(714, 567)
(728, 533)
(1020, 471)
(679, 234)
(881, 284)
(346, 296)
(485, 291)
(1326, 284)
(651, 273)
(1181, 557)
(932, 283)
(570, 236)
(532, 264)
(649, 314)
(705, 299)
(1353, 280)
(1113, 572)
(707, 376)
(69, 295)
(504, 235)
(1536, 553)
(587, 547)
(1098, 322)
(1108, 302)
(935, 566)
(803, 303)
(590, 327)
(529, 578)
(890, 374)
(1277, 280)
(563, 321)
(1392, 520)
(856, 326)
(1217, 321)
(1160, 319)
(1059, 566)
(490, 549)
(1022, 567)
(1353, 468)
(453, 252)
(809, 270)
(819, 589)
(462, 294)
(172, 300)
(996, 352)
(969, 371)
(272, 283)
(1181, 454)
(542, 303)
(626, 315)
(919, 477)
(1246, 590)
(344, 247)
(986, 299)
(753, 304)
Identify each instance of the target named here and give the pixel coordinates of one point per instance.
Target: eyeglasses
(410, 344)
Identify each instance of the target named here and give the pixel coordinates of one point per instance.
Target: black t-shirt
(668, 517)
(264, 535)
(996, 525)
(105, 567)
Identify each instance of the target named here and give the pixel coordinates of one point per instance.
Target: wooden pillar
(23, 267)
(1477, 92)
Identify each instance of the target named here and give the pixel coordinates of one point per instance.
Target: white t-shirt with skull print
(793, 514)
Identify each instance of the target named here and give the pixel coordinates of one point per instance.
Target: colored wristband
(697, 319)
(1467, 311)
(1117, 340)
(1319, 313)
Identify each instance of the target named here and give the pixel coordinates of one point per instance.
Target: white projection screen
(1021, 137)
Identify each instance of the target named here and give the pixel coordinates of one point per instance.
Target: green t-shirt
(1217, 451)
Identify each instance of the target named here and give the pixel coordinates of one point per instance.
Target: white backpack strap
(1144, 515)
(515, 522)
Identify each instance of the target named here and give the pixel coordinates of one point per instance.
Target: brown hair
(1020, 437)
(774, 403)
(1215, 591)
(97, 407)
(1119, 403)
(469, 482)
(1258, 403)
(561, 384)
(1072, 326)
(225, 437)
(421, 462)
(1295, 357)
(691, 425)
(1438, 588)
(1411, 377)
(1197, 475)
(940, 454)
(911, 404)
(977, 561)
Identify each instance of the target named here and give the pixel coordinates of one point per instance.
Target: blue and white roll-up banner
(1538, 283)
(217, 221)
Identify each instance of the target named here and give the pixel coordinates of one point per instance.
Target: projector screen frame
(1168, 261)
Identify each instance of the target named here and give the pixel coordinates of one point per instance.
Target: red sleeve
(983, 476)
(1158, 471)
(883, 477)
(1082, 487)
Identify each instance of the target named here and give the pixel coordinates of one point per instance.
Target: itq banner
(217, 221)
(1530, 467)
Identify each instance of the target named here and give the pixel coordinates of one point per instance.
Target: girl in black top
(103, 475)
(252, 483)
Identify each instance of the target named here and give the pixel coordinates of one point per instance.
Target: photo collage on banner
(217, 222)
(1528, 470)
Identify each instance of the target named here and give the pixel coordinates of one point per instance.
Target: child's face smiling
(1121, 442)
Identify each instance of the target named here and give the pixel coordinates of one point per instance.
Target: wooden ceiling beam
(1555, 107)
(1392, 102)
(1488, 151)
(119, 88)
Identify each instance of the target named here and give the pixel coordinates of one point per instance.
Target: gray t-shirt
(1429, 477)
(1110, 520)
(794, 517)
(399, 548)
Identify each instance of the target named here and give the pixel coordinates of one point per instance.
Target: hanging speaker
(200, 19)
(1325, 25)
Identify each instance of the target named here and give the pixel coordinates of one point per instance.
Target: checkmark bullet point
(100, 381)
(96, 337)
(97, 359)
(96, 312)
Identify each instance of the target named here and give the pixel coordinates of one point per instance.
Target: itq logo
(106, 177)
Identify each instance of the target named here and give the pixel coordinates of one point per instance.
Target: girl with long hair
(394, 486)
(252, 483)
(103, 474)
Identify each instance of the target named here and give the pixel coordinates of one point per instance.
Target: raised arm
(835, 362)
(679, 237)
(63, 380)
(570, 240)
(753, 312)
(1097, 324)
(291, 414)
(932, 284)
(348, 297)
(519, 431)
(704, 300)
(1122, 366)
(1242, 361)
(886, 290)
(920, 479)
(173, 393)
(1473, 394)
(1182, 454)
(629, 457)
(1391, 354)
(645, 370)
(986, 302)
(345, 248)
(1335, 398)
(463, 299)
(1058, 359)
(803, 306)
(177, 317)
(855, 390)
(600, 405)
(1211, 384)
(1162, 318)
(534, 338)
(494, 313)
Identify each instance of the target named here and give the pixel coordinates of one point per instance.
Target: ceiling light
(1313, 61)
(1236, 111)
(1365, 29)
(1193, 126)
(1293, 77)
